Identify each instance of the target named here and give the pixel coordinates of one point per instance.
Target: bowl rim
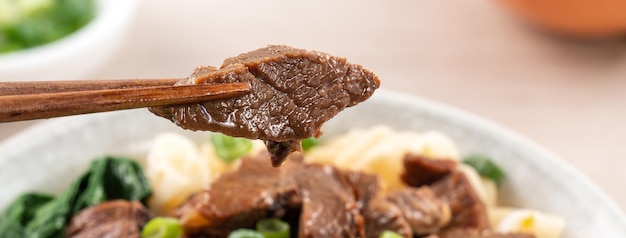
(383, 96)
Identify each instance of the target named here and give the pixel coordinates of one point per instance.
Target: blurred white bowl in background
(76, 55)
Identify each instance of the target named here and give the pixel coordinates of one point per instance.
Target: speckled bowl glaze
(48, 156)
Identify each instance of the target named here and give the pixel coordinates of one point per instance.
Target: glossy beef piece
(240, 198)
(477, 233)
(382, 215)
(118, 218)
(425, 213)
(329, 207)
(280, 150)
(467, 209)
(419, 170)
(294, 92)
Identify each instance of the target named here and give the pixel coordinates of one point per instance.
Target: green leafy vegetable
(25, 24)
(15, 217)
(162, 227)
(229, 148)
(485, 167)
(245, 233)
(309, 143)
(108, 178)
(390, 234)
(273, 228)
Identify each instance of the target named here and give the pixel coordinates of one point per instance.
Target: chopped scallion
(245, 233)
(273, 228)
(390, 234)
(162, 227)
(309, 143)
(229, 148)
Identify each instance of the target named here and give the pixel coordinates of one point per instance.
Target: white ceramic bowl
(50, 155)
(76, 55)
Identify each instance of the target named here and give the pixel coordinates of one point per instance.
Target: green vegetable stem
(108, 178)
(229, 148)
(485, 167)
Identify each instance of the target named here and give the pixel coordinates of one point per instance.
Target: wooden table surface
(568, 96)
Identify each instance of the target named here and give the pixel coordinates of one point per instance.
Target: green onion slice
(162, 227)
(390, 234)
(228, 148)
(273, 228)
(309, 143)
(245, 233)
(485, 167)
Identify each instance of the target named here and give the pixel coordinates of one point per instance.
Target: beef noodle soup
(371, 182)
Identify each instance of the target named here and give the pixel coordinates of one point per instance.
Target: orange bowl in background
(590, 19)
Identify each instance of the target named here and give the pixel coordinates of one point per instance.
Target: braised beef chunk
(323, 200)
(419, 170)
(329, 208)
(381, 215)
(239, 199)
(466, 207)
(425, 213)
(293, 92)
(366, 186)
(117, 218)
(451, 186)
(477, 233)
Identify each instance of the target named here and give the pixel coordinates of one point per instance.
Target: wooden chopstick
(35, 87)
(27, 101)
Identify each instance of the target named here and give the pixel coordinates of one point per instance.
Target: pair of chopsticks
(46, 99)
